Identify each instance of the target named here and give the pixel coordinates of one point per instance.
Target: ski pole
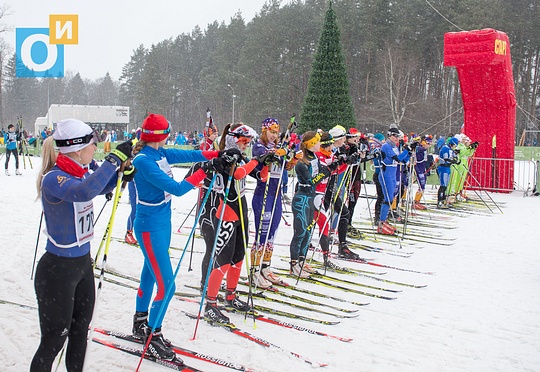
(245, 234)
(117, 195)
(101, 211)
(37, 243)
(161, 313)
(218, 228)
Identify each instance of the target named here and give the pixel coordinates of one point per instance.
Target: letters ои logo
(40, 51)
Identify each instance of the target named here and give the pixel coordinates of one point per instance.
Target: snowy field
(479, 310)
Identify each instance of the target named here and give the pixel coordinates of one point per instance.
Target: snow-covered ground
(479, 311)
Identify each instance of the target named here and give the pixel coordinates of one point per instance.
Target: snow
(479, 311)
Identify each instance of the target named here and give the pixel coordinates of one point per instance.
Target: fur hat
(155, 128)
(73, 135)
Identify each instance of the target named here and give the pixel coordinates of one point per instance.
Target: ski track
(479, 311)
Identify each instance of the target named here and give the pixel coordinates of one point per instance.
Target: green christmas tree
(328, 102)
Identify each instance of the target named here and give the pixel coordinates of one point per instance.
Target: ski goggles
(79, 140)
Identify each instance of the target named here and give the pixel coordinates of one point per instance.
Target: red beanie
(155, 128)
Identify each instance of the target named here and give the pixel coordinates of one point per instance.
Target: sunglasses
(243, 140)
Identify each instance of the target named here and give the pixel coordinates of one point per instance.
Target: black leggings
(65, 293)
(15, 154)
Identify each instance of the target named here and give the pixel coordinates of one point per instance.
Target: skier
(234, 230)
(310, 172)
(391, 157)
(375, 145)
(10, 140)
(155, 186)
(327, 199)
(465, 149)
(420, 168)
(264, 241)
(64, 281)
(447, 157)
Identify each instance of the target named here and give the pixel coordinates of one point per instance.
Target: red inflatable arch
(484, 67)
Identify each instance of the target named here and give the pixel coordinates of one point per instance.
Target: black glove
(214, 165)
(414, 145)
(120, 154)
(407, 147)
(456, 151)
(353, 149)
(333, 165)
(265, 158)
(109, 196)
(342, 159)
(474, 145)
(129, 173)
(231, 152)
(271, 158)
(353, 159)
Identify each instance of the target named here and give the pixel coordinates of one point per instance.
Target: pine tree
(328, 101)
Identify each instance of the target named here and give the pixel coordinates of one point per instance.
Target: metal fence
(503, 175)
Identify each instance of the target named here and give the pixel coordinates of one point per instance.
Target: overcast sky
(110, 30)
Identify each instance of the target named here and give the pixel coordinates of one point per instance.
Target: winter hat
(337, 132)
(155, 128)
(379, 136)
(73, 135)
(270, 124)
(453, 141)
(352, 132)
(458, 137)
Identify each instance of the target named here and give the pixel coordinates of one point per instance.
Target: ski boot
(385, 228)
(158, 347)
(271, 277)
(297, 270)
(213, 315)
(130, 239)
(232, 302)
(260, 281)
(346, 253)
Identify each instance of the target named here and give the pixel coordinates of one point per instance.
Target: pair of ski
(175, 364)
(234, 329)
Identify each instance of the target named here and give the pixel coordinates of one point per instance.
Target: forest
(393, 53)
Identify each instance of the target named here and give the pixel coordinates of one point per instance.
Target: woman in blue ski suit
(155, 187)
(64, 280)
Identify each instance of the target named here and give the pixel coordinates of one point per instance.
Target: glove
(109, 196)
(271, 158)
(231, 152)
(456, 151)
(474, 145)
(333, 165)
(341, 159)
(266, 158)
(414, 145)
(129, 173)
(353, 159)
(120, 154)
(407, 147)
(214, 165)
(352, 149)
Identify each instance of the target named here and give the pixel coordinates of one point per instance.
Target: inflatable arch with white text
(484, 67)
